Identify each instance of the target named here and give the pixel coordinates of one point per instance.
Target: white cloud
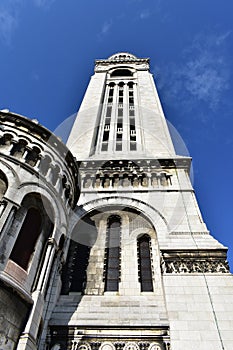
(134, 1)
(203, 75)
(221, 38)
(106, 27)
(43, 3)
(10, 16)
(144, 14)
(35, 76)
(206, 78)
(8, 23)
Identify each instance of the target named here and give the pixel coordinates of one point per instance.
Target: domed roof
(122, 56)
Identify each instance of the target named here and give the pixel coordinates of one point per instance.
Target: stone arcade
(103, 246)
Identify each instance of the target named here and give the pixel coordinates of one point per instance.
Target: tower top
(122, 56)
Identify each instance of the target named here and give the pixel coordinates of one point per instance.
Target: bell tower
(141, 270)
(121, 114)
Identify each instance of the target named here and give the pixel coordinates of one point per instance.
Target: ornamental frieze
(110, 345)
(76, 344)
(194, 262)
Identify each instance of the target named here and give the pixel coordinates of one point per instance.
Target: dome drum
(38, 152)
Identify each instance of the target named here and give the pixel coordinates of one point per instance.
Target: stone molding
(73, 338)
(188, 233)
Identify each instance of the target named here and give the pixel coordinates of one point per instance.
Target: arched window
(27, 237)
(6, 140)
(144, 263)
(45, 164)
(19, 148)
(122, 73)
(112, 253)
(32, 156)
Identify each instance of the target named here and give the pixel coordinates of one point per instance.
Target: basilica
(102, 242)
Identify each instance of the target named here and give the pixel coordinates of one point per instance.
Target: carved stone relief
(154, 346)
(111, 345)
(76, 345)
(107, 346)
(184, 262)
(131, 346)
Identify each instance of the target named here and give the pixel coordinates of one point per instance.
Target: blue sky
(47, 52)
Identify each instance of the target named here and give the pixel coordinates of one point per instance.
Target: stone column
(3, 204)
(28, 339)
(47, 265)
(8, 210)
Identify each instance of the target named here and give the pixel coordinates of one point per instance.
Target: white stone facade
(132, 266)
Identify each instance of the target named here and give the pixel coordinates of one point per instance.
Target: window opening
(6, 140)
(107, 119)
(131, 112)
(132, 127)
(122, 73)
(26, 240)
(81, 255)
(120, 112)
(112, 253)
(74, 274)
(32, 156)
(144, 263)
(19, 149)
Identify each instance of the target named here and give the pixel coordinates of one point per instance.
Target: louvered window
(144, 264)
(74, 274)
(112, 253)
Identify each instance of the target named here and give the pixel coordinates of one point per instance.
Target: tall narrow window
(26, 240)
(107, 118)
(132, 126)
(119, 128)
(74, 274)
(144, 264)
(79, 266)
(112, 253)
(19, 149)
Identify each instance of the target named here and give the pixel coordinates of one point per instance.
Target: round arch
(59, 212)
(11, 176)
(123, 67)
(121, 72)
(150, 213)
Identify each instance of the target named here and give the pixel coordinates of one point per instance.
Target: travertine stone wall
(156, 137)
(13, 315)
(82, 135)
(200, 309)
